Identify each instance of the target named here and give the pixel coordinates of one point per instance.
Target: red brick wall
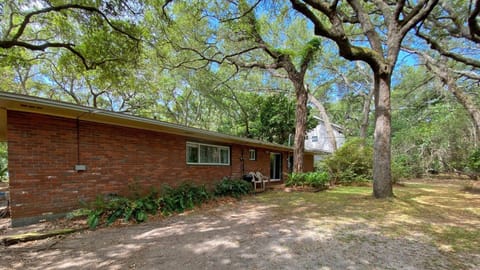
(43, 153)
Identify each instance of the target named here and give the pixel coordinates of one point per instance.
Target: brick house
(61, 154)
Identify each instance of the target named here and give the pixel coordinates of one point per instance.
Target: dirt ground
(343, 228)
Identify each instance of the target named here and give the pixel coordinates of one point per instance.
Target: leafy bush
(173, 199)
(295, 179)
(474, 161)
(233, 188)
(312, 179)
(115, 207)
(183, 197)
(404, 166)
(351, 163)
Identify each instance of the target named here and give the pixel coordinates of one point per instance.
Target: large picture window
(207, 154)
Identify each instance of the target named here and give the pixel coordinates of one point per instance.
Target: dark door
(275, 166)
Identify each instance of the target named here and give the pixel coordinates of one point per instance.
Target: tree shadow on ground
(340, 229)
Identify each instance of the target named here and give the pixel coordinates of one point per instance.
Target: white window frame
(314, 138)
(199, 145)
(252, 154)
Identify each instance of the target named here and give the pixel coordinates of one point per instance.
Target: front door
(275, 167)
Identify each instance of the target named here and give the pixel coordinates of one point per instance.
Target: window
(253, 154)
(314, 138)
(207, 154)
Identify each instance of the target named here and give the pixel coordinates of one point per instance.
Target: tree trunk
(326, 121)
(300, 126)
(382, 178)
(366, 114)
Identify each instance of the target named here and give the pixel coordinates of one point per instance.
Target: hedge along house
(62, 154)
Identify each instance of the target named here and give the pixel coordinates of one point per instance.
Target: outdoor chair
(258, 181)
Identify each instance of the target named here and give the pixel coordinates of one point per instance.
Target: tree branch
(42, 46)
(27, 18)
(472, 20)
(398, 10)
(337, 34)
(457, 57)
(245, 13)
(367, 26)
(385, 9)
(418, 14)
(468, 74)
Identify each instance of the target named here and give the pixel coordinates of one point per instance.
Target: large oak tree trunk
(382, 179)
(300, 127)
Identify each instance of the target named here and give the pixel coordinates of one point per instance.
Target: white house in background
(317, 139)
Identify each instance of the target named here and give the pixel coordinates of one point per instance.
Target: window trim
(254, 151)
(219, 147)
(314, 138)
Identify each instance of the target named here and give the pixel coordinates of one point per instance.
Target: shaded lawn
(445, 214)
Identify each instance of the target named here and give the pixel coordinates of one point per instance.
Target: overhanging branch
(455, 56)
(43, 45)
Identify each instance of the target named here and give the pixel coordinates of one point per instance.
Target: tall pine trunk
(382, 178)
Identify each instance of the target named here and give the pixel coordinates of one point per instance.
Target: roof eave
(16, 102)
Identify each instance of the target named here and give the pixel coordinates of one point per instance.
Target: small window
(253, 154)
(192, 153)
(314, 138)
(207, 154)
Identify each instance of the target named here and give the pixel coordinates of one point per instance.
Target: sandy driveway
(250, 234)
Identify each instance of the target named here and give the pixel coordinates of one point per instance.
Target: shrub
(402, 168)
(312, 179)
(115, 207)
(473, 162)
(173, 199)
(295, 179)
(351, 163)
(232, 188)
(183, 197)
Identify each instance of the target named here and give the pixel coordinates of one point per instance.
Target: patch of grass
(441, 213)
(353, 190)
(456, 238)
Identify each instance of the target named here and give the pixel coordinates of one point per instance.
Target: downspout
(242, 163)
(289, 154)
(78, 140)
(80, 167)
